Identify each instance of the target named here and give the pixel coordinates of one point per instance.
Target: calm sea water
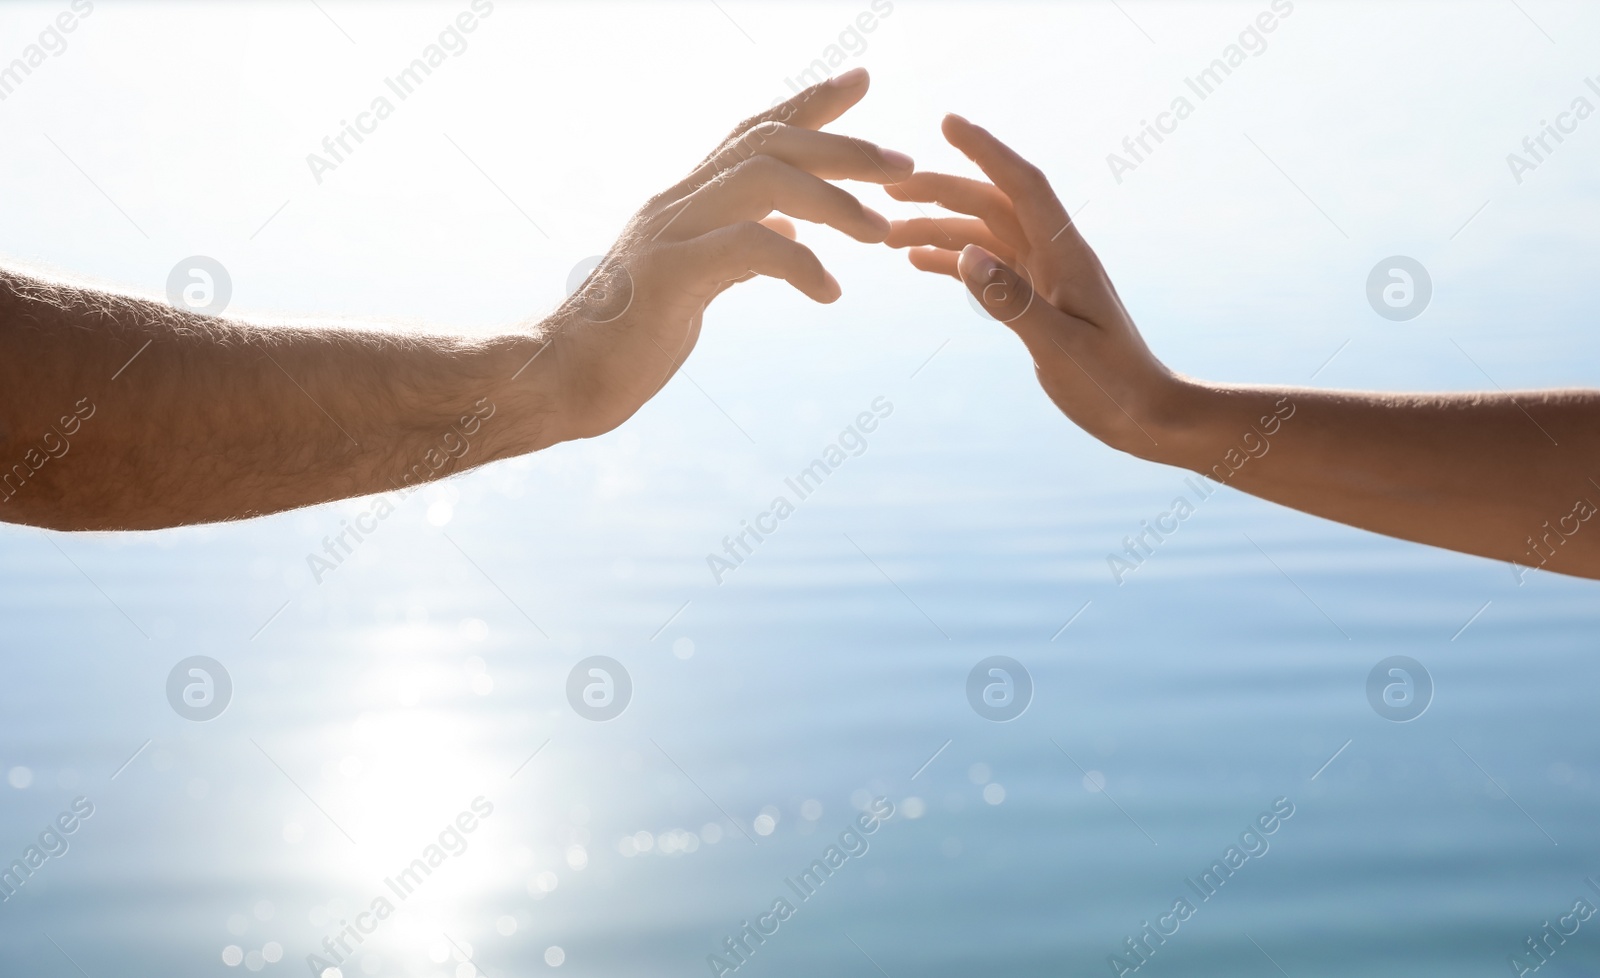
(422, 686)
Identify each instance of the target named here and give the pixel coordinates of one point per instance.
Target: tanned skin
(122, 413)
(1512, 476)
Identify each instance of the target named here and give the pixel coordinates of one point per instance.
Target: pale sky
(1360, 131)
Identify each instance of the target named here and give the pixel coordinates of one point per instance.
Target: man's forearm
(122, 413)
(1506, 476)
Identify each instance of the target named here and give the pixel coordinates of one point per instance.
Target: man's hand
(1022, 257)
(621, 337)
(120, 413)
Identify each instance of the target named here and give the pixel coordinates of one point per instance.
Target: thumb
(1005, 295)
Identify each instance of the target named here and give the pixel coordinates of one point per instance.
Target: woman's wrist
(1184, 423)
(1201, 426)
(1167, 419)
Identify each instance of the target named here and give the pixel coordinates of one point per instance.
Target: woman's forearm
(1507, 476)
(1513, 477)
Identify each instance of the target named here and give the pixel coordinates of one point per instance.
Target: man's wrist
(526, 390)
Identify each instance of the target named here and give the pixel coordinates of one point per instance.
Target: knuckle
(747, 234)
(748, 144)
(748, 124)
(1035, 176)
(717, 178)
(755, 168)
(765, 130)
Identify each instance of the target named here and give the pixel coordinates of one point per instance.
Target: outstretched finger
(936, 260)
(824, 154)
(950, 233)
(964, 196)
(818, 105)
(763, 184)
(1008, 297)
(737, 250)
(1036, 205)
(812, 108)
(773, 222)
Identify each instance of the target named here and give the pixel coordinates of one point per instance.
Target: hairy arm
(1511, 476)
(122, 413)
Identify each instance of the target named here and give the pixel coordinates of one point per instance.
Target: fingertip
(850, 79)
(935, 261)
(1003, 293)
(966, 135)
(826, 100)
(830, 289)
(880, 225)
(780, 224)
(976, 262)
(898, 162)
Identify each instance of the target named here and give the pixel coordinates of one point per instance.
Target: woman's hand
(1022, 257)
